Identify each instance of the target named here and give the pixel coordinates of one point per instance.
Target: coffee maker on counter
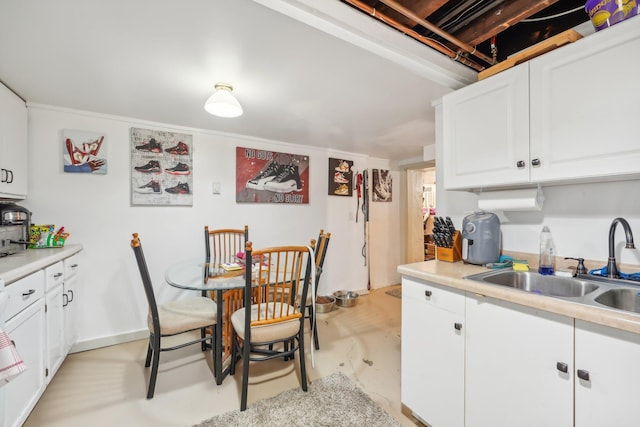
(15, 222)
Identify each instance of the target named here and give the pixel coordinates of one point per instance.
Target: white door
(432, 353)
(587, 126)
(27, 330)
(515, 358)
(607, 359)
(485, 132)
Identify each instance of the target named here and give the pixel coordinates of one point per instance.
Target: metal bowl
(324, 303)
(346, 298)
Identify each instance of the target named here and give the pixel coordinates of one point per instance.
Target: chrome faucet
(612, 268)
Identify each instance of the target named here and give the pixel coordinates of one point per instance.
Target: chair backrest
(320, 247)
(273, 283)
(146, 281)
(222, 245)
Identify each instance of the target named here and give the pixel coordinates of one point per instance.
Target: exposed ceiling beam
(500, 18)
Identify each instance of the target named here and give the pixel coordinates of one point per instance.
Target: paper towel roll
(529, 199)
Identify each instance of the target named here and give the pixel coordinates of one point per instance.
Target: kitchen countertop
(452, 274)
(19, 265)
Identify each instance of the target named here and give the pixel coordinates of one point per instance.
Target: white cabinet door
(70, 298)
(27, 330)
(13, 145)
(485, 132)
(432, 353)
(610, 357)
(56, 348)
(512, 356)
(584, 107)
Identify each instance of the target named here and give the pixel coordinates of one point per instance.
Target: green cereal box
(39, 234)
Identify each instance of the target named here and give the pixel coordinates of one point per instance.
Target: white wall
(96, 210)
(579, 216)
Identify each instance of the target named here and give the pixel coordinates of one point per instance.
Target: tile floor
(107, 386)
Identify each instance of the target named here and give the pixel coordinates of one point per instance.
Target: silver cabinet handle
(457, 326)
(562, 367)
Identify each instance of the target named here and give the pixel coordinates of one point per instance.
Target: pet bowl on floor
(324, 303)
(346, 298)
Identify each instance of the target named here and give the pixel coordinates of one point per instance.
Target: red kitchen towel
(11, 365)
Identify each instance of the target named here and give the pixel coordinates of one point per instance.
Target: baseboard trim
(109, 341)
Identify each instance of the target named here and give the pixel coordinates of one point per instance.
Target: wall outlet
(215, 188)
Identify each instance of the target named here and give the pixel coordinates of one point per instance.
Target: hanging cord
(557, 15)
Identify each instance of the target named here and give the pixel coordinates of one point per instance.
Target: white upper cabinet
(486, 131)
(13, 145)
(584, 102)
(568, 115)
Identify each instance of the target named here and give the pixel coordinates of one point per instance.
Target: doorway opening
(420, 210)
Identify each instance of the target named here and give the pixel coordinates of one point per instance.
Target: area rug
(332, 401)
(395, 292)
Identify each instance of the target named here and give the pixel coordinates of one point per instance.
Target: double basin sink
(586, 289)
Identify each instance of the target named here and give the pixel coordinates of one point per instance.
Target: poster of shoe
(271, 177)
(84, 152)
(340, 177)
(382, 185)
(161, 168)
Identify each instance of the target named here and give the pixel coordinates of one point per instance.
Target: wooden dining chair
(172, 318)
(221, 246)
(271, 323)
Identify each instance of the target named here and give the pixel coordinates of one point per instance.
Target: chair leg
(149, 353)
(314, 328)
(234, 352)
(303, 369)
(154, 367)
(246, 352)
(203, 333)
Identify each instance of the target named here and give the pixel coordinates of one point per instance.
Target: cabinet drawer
(54, 276)
(434, 295)
(71, 267)
(24, 292)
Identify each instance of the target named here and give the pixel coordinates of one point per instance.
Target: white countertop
(452, 274)
(17, 266)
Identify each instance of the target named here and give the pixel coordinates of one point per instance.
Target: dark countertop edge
(452, 275)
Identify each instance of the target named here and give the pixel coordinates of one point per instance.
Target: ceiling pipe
(429, 26)
(411, 33)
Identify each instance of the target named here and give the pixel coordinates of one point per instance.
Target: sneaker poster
(161, 168)
(382, 185)
(340, 177)
(271, 177)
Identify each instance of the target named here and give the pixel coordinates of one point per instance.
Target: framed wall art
(340, 177)
(84, 152)
(271, 177)
(382, 185)
(161, 168)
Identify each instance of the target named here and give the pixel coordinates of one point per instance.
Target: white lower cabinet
(515, 358)
(609, 360)
(432, 379)
(26, 328)
(475, 361)
(70, 300)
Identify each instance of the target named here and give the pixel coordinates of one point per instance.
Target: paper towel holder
(528, 199)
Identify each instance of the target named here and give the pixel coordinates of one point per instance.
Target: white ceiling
(322, 75)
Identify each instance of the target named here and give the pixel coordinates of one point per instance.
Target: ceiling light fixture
(222, 103)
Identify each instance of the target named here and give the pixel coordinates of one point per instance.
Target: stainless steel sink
(537, 283)
(621, 299)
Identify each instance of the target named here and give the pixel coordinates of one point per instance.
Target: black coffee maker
(15, 222)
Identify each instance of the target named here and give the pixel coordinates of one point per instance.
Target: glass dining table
(227, 286)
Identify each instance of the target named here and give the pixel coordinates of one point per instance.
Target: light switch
(215, 188)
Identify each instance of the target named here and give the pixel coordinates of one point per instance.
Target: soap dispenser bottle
(547, 262)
